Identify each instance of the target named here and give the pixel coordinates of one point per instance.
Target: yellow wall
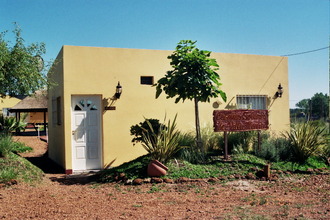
(56, 143)
(96, 71)
(37, 117)
(8, 102)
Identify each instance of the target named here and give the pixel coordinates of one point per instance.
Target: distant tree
(316, 107)
(20, 66)
(193, 77)
(320, 105)
(304, 106)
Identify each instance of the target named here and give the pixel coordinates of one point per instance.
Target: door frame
(100, 129)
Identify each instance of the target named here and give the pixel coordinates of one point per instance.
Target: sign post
(239, 120)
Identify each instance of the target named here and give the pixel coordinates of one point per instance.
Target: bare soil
(292, 197)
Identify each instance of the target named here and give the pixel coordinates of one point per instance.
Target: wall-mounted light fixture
(279, 92)
(108, 102)
(119, 90)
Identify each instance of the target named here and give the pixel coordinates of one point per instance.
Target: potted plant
(161, 144)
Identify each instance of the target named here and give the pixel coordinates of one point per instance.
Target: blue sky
(265, 27)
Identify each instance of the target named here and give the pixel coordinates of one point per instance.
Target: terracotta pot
(156, 168)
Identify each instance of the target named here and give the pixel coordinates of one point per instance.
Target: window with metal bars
(251, 101)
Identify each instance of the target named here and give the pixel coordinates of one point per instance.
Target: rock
(263, 178)
(221, 178)
(13, 182)
(147, 180)
(197, 180)
(128, 182)
(167, 180)
(137, 181)
(182, 180)
(310, 170)
(237, 176)
(212, 180)
(254, 169)
(156, 180)
(230, 177)
(121, 175)
(250, 176)
(260, 174)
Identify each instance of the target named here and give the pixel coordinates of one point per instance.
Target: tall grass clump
(242, 141)
(6, 145)
(306, 139)
(191, 153)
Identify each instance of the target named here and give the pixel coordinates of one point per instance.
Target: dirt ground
(303, 197)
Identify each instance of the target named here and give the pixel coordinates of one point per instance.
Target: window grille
(251, 101)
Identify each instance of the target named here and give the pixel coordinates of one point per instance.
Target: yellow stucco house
(89, 128)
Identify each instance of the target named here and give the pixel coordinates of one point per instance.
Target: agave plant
(305, 139)
(10, 124)
(164, 143)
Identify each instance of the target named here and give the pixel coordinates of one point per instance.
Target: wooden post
(45, 121)
(225, 134)
(18, 118)
(259, 140)
(267, 171)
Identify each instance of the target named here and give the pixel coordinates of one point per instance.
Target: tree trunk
(198, 129)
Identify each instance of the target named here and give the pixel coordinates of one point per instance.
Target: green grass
(240, 164)
(14, 167)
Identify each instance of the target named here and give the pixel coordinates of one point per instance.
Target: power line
(310, 51)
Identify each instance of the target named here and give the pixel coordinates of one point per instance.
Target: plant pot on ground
(156, 169)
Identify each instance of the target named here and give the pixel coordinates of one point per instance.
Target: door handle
(73, 132)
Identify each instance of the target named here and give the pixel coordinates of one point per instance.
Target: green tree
(20, 66)
(304, 106)
(193, 77)
(317, 106)
(320, 105)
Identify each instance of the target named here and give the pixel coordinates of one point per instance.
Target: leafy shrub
(275, 149)
(163, 143)
(20, 147)
(138, 129)
(243, 140)
(9, 124)
(306, 139)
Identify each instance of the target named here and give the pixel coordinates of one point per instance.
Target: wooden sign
(240, 120)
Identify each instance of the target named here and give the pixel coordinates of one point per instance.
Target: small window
(59, 110)
(147, 80)
(251, 102)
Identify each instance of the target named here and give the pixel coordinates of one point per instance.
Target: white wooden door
(86, 132)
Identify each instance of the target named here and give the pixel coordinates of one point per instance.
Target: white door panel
(86, 132)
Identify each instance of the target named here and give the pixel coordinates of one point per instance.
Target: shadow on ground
(78, 179)
(46, 164)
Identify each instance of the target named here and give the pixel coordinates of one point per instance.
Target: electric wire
(309, 51)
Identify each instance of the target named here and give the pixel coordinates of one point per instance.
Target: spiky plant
(10, 124)
(6, 145)
(305, 139)
(164, 143)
